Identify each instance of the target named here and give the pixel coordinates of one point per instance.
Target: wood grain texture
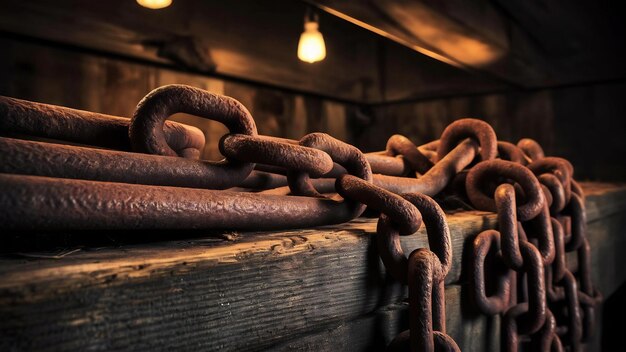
(374, 331)
(250, 291)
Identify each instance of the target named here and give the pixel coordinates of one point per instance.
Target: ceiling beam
(447, 34)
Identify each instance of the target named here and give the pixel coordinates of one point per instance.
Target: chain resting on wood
(145, 173)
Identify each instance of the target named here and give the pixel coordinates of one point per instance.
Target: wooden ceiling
(527, 44)
(379, 51)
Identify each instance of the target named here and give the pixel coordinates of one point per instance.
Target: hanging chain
(518, 271)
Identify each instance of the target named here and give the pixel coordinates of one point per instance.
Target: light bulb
(154, 4)
(311, 47)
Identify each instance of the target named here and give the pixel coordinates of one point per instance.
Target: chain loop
(437, 230)
(489, 242)
(253, 149)
(509, 151)
(146, 127)
(531, 148)
(487, 175)
(436, 178)
(400, 145)
(472, 128)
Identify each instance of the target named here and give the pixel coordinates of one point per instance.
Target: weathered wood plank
(248, 293)
(373, 332)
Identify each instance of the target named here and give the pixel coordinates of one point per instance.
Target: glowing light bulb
(155, 4)
(311, 47)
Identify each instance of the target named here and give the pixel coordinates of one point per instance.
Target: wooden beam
(249, 291)
(444, 35)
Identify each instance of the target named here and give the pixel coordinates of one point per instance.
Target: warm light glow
(311, 47)
(155, 4)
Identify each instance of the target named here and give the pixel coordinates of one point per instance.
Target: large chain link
(518, 270)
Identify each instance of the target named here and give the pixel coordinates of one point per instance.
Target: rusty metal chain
(148, 178)
(560, 317)
(26, 118)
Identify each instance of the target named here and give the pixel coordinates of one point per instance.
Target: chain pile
(144, 173)
(538, 296)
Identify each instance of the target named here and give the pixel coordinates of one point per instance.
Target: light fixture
(311, 47)
(155, 4)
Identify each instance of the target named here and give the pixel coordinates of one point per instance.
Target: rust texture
(37, 203)
(57, 122)
(147, 179)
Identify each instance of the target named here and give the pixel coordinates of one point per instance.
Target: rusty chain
(537, 295)
(148, 177)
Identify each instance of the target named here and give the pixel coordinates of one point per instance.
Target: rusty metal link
(483, 179)
(576, 210)
(26, 118)
(574, 325)
(577, 189)
(146, 127)
(558, 265)
(564, 296)
(387, 165)
(436, 178)
(63, 161)
(511, 152)
(427, 302)
(561, 168)
(399, 210)
(388, 238)
(342, 153)
(540, 229)
(468, 128)
(400, 145)
(391, 161)
(548, 339)
(531, 316)
(254, 149)
(43, 203)
(555, 192)
(489, 242)
(531, 148)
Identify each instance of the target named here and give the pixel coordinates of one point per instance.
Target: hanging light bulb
(155, 4)
(311, 47)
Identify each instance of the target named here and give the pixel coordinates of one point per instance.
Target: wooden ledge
(250, 291)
